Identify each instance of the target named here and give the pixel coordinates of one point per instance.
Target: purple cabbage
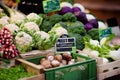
(88, 26)
(82, 17)
(65, 10)
(76, 10)
(94, 22)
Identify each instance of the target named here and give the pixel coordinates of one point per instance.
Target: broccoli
(63, 24)
(46, 26)
(69, 17)
(55, 18)
(94, 33)
(50, 21)
(79, 40)
(77, 28)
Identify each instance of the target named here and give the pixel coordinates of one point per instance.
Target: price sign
(65, 44)
(51, 5)
(105, 32)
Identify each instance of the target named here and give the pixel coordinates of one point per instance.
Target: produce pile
(40, 31)
(57, 60)
(7, 44)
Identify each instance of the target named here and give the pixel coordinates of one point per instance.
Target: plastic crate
(85, 70)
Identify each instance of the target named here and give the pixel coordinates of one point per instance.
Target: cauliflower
(5, 17)
(40, 37)
(58, 30)
(12, 28)
(34, 18)
(43, 34)
(31, 26)
(17, 18)
(23, 41)
(43, 40)
(3, 22)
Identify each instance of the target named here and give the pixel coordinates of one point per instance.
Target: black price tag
(65, 44)
(51, 5)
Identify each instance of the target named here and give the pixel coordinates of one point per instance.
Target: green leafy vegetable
(13, 73)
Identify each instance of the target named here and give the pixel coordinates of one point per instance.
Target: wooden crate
(30, 67)
(36, 77)
(108, 70)
(105, 70)
(35, 53)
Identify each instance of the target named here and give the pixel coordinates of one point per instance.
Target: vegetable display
(51, 61)
(103, 48)
(6, 40)
(40, 31)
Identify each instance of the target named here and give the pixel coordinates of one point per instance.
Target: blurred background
(102, 9)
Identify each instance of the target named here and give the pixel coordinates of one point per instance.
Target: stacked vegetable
(40, 31)
(79, 11)
(105, 48)
(57, 60)
(7, 44)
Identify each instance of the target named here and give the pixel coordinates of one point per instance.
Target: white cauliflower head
(32, 16)
(43, 34)
(17, 18)
(31, 26)
(5, 17)
(58, 30)
(3, 22)
(23, 41)
(12, 27)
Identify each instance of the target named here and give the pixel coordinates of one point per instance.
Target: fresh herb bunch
(13, 73)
